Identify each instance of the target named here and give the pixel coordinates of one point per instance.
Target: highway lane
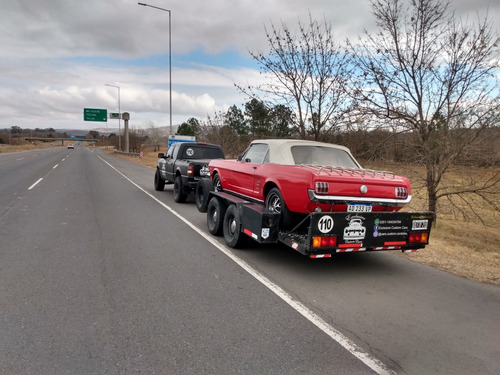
(98, 278)
(19, 170)
(414, 318)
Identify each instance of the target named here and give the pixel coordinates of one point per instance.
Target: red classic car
(296, 177)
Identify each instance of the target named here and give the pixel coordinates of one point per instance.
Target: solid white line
(36, 183)
(310, 315)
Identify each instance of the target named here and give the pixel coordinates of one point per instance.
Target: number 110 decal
(325, 224)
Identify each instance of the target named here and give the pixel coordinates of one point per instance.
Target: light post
(119, 117)
(169, 55)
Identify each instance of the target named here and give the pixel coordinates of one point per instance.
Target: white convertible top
(280, 149)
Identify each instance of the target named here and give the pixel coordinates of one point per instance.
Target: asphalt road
(100, 274)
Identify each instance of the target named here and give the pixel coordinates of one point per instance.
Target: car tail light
(324, 241)
(190, 170)
(321, 187)
(419, 237)
(401, 192)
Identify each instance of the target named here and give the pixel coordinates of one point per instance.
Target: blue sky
(57, 55)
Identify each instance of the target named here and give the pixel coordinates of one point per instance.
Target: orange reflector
(425, 237)
(317, 241)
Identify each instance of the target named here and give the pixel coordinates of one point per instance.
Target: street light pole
(169, 55)
(119, 117)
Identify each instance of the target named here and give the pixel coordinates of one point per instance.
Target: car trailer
(319, 234)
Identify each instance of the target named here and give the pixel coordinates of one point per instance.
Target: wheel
(275, 203)
(216, 182)
(202, 192)
(179, 194)
(231, 227)
(159, 182)
(216, 210)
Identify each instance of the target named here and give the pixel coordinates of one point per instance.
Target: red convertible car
(296, 177)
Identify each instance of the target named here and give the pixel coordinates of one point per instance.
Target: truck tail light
(324, 241)
(419, 237)
(190, 170)
(401, 192)
(321, 187)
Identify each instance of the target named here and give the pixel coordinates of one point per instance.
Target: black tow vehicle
(183, 165)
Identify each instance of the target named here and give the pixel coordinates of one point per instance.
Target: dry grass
(465, 248)
(25, 147)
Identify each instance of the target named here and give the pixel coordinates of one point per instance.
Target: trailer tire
(179, 194)
(202, 194)
(159, 182)
(216, 210)
(231, 228)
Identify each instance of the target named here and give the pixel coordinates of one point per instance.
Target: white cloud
(56, 55)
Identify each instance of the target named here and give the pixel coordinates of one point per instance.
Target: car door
(243, 181)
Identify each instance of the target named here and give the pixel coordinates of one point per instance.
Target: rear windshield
(200, 152)
(318, 155)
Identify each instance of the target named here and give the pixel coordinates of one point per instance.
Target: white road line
(36, 183)
(370, 361)
(55, 166)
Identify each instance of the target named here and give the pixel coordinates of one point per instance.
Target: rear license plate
(359, 208)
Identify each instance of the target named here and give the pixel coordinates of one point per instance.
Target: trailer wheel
(202, 192)
(179, 194)
(159, 182)
(216, 210)
(231, 228)
(275, 203)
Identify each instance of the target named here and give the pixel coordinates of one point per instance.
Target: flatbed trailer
(319, 234)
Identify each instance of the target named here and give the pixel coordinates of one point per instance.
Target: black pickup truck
(183, 165)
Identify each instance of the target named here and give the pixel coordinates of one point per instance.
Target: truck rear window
(199, 152)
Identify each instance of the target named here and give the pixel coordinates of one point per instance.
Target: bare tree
(155, 135)
(430, 74)
(215, 129)
(307, 73)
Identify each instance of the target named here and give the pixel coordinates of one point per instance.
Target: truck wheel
(275, 203)
(215, 215)
(179, 195)
(231, 227)
(159, 182)
(202, 192)
(216, 182)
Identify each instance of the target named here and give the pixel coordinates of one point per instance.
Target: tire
(202, 192)
(275, 203)
(216, 182)
(159, 182)
(215, 215)
(179, 194)
(231, 227)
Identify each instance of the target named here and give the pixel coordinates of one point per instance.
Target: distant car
(296, 177)
(71, 145)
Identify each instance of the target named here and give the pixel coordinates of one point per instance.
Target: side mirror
(161, 155)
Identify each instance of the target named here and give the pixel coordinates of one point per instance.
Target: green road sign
(114, 115)
(92, 114)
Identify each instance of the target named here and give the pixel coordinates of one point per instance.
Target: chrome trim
(341, 199)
